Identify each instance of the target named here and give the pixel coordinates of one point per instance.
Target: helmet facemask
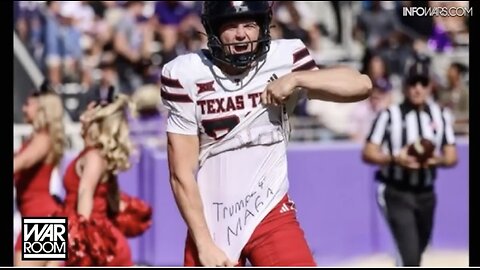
(221, 52)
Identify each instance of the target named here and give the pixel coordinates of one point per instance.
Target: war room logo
(44, 238)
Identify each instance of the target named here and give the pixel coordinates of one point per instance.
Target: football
(422, 149)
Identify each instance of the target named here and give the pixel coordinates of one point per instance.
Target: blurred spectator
(327, 16)
(189, 41)
(276, 30)
(29, 27)
(108, 77)
(334, 117)
(171, 13)
(70, 42)
(148, 124)
(82, 13)
(451, 28)
(455, 96)
(54, 42)
(297, 21)
(375, 26)
(439, 40)
(128, 44)
(383, 34)
(338, 20)
(363, 114)
(51, 41)
(96, 42)
(114, 11)
(22, 12)
(172, 20)
(27, 21)
(416, 27)
(375, 67)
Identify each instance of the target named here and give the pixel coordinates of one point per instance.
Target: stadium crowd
(89, 45)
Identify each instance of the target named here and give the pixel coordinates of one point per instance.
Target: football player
(228, 131)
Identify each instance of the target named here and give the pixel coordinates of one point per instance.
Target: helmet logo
(238, 5)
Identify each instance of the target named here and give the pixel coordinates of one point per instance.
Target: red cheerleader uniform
(33, 192)
(96, 241)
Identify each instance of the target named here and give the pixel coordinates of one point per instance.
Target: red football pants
(277, 241)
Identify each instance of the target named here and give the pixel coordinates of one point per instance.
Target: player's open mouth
(240, 48)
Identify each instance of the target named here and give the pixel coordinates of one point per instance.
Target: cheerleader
(100, 217)
(38, 156)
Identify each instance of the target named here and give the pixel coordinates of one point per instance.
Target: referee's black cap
(418, 72)
(419, 69)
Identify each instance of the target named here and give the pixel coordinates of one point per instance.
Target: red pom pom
(91, 242)
(135, 218)
(101, 241)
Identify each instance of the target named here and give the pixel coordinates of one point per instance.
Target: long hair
(49, 117)
(108, 131)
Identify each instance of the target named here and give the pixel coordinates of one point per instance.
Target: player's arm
(36, 151)
(448, 156)
(183, 154)
(94, 168)
(339, 84)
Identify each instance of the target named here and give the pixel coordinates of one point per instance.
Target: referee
(406, 193)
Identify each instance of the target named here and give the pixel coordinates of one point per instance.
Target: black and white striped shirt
(401, 125)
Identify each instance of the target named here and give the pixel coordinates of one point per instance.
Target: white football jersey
(243, 167)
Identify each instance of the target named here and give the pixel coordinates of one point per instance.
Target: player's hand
(211, 255)
(278, 91)
(407, 161)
